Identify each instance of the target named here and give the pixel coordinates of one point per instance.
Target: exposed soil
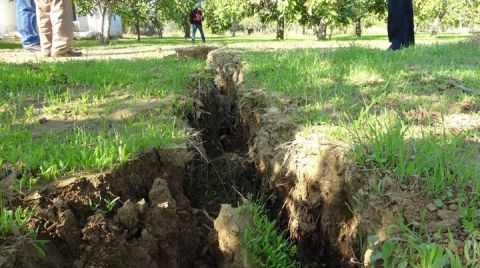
(167, 199)
(221, 172)
(151, 224)
(162, 220)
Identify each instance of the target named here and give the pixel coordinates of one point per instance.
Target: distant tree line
(321, 16)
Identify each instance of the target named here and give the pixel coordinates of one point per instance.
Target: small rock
(59, 203)
(453, 207)
(448, 215)
(450, 201)
(160, 193)
(431, 207)
(128, 215)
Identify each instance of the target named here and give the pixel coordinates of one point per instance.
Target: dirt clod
(230, 227)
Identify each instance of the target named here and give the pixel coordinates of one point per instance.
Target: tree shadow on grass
(347, 80)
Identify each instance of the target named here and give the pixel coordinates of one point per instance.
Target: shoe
(69, 53)
(34, 48)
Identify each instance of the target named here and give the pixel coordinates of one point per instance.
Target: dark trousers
(194, 31)
(400, 23)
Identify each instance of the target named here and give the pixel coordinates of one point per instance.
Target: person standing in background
(27, 24)
(196, 18)
(55, 24)
(400, 24)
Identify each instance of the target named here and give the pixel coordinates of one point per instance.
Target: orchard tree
(105, 8)
(178, 11)
(447, 13)
(225, 14)
(321, 14)
(281, 11)
(136, 12)
(358, 10)
(158, 18)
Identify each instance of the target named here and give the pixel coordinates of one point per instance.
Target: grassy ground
(71, 117)
(405, 116)
(240, 39)
(403, 113)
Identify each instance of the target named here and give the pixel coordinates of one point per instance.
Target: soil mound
(197, 52)
(135, 216)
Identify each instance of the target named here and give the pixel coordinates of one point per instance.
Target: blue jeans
(200, 28)
(27, 22)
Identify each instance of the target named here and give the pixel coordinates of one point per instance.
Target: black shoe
(70, 53)
(34, 48)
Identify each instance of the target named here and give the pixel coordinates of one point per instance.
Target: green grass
(439, 161)
(267, 247)
(10, 219)
(14, 228)
(391, 107)
(371, 97)
(327, 84)
(79, 101)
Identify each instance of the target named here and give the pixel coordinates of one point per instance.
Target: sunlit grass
(390, 106)
(78, 99)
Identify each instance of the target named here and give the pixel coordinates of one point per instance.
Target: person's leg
(26, 23)
(200, 27)
(396, 45)
(194, 31)
(62, 26)
(44, 26)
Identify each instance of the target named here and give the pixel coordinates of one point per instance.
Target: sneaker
(69, 53)
(34, 48)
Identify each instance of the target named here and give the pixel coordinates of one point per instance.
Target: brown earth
(313, 189)
(151, 224)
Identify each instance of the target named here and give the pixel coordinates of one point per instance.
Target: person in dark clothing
(400, 24)
(196, 18)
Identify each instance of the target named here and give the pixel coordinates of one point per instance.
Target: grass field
(411, 116)
(399, 113)
(75, 117)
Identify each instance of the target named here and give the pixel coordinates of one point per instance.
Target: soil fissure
(157, 210)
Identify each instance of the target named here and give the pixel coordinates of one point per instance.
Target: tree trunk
(160, 30)
(106, 16)
(321, 30)
(358, 26)
(137, 29)
(281, 28)
(234, 28)
(437, 22)
(304, 30)
(186, 30)
(107, 26)
(102, 11)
